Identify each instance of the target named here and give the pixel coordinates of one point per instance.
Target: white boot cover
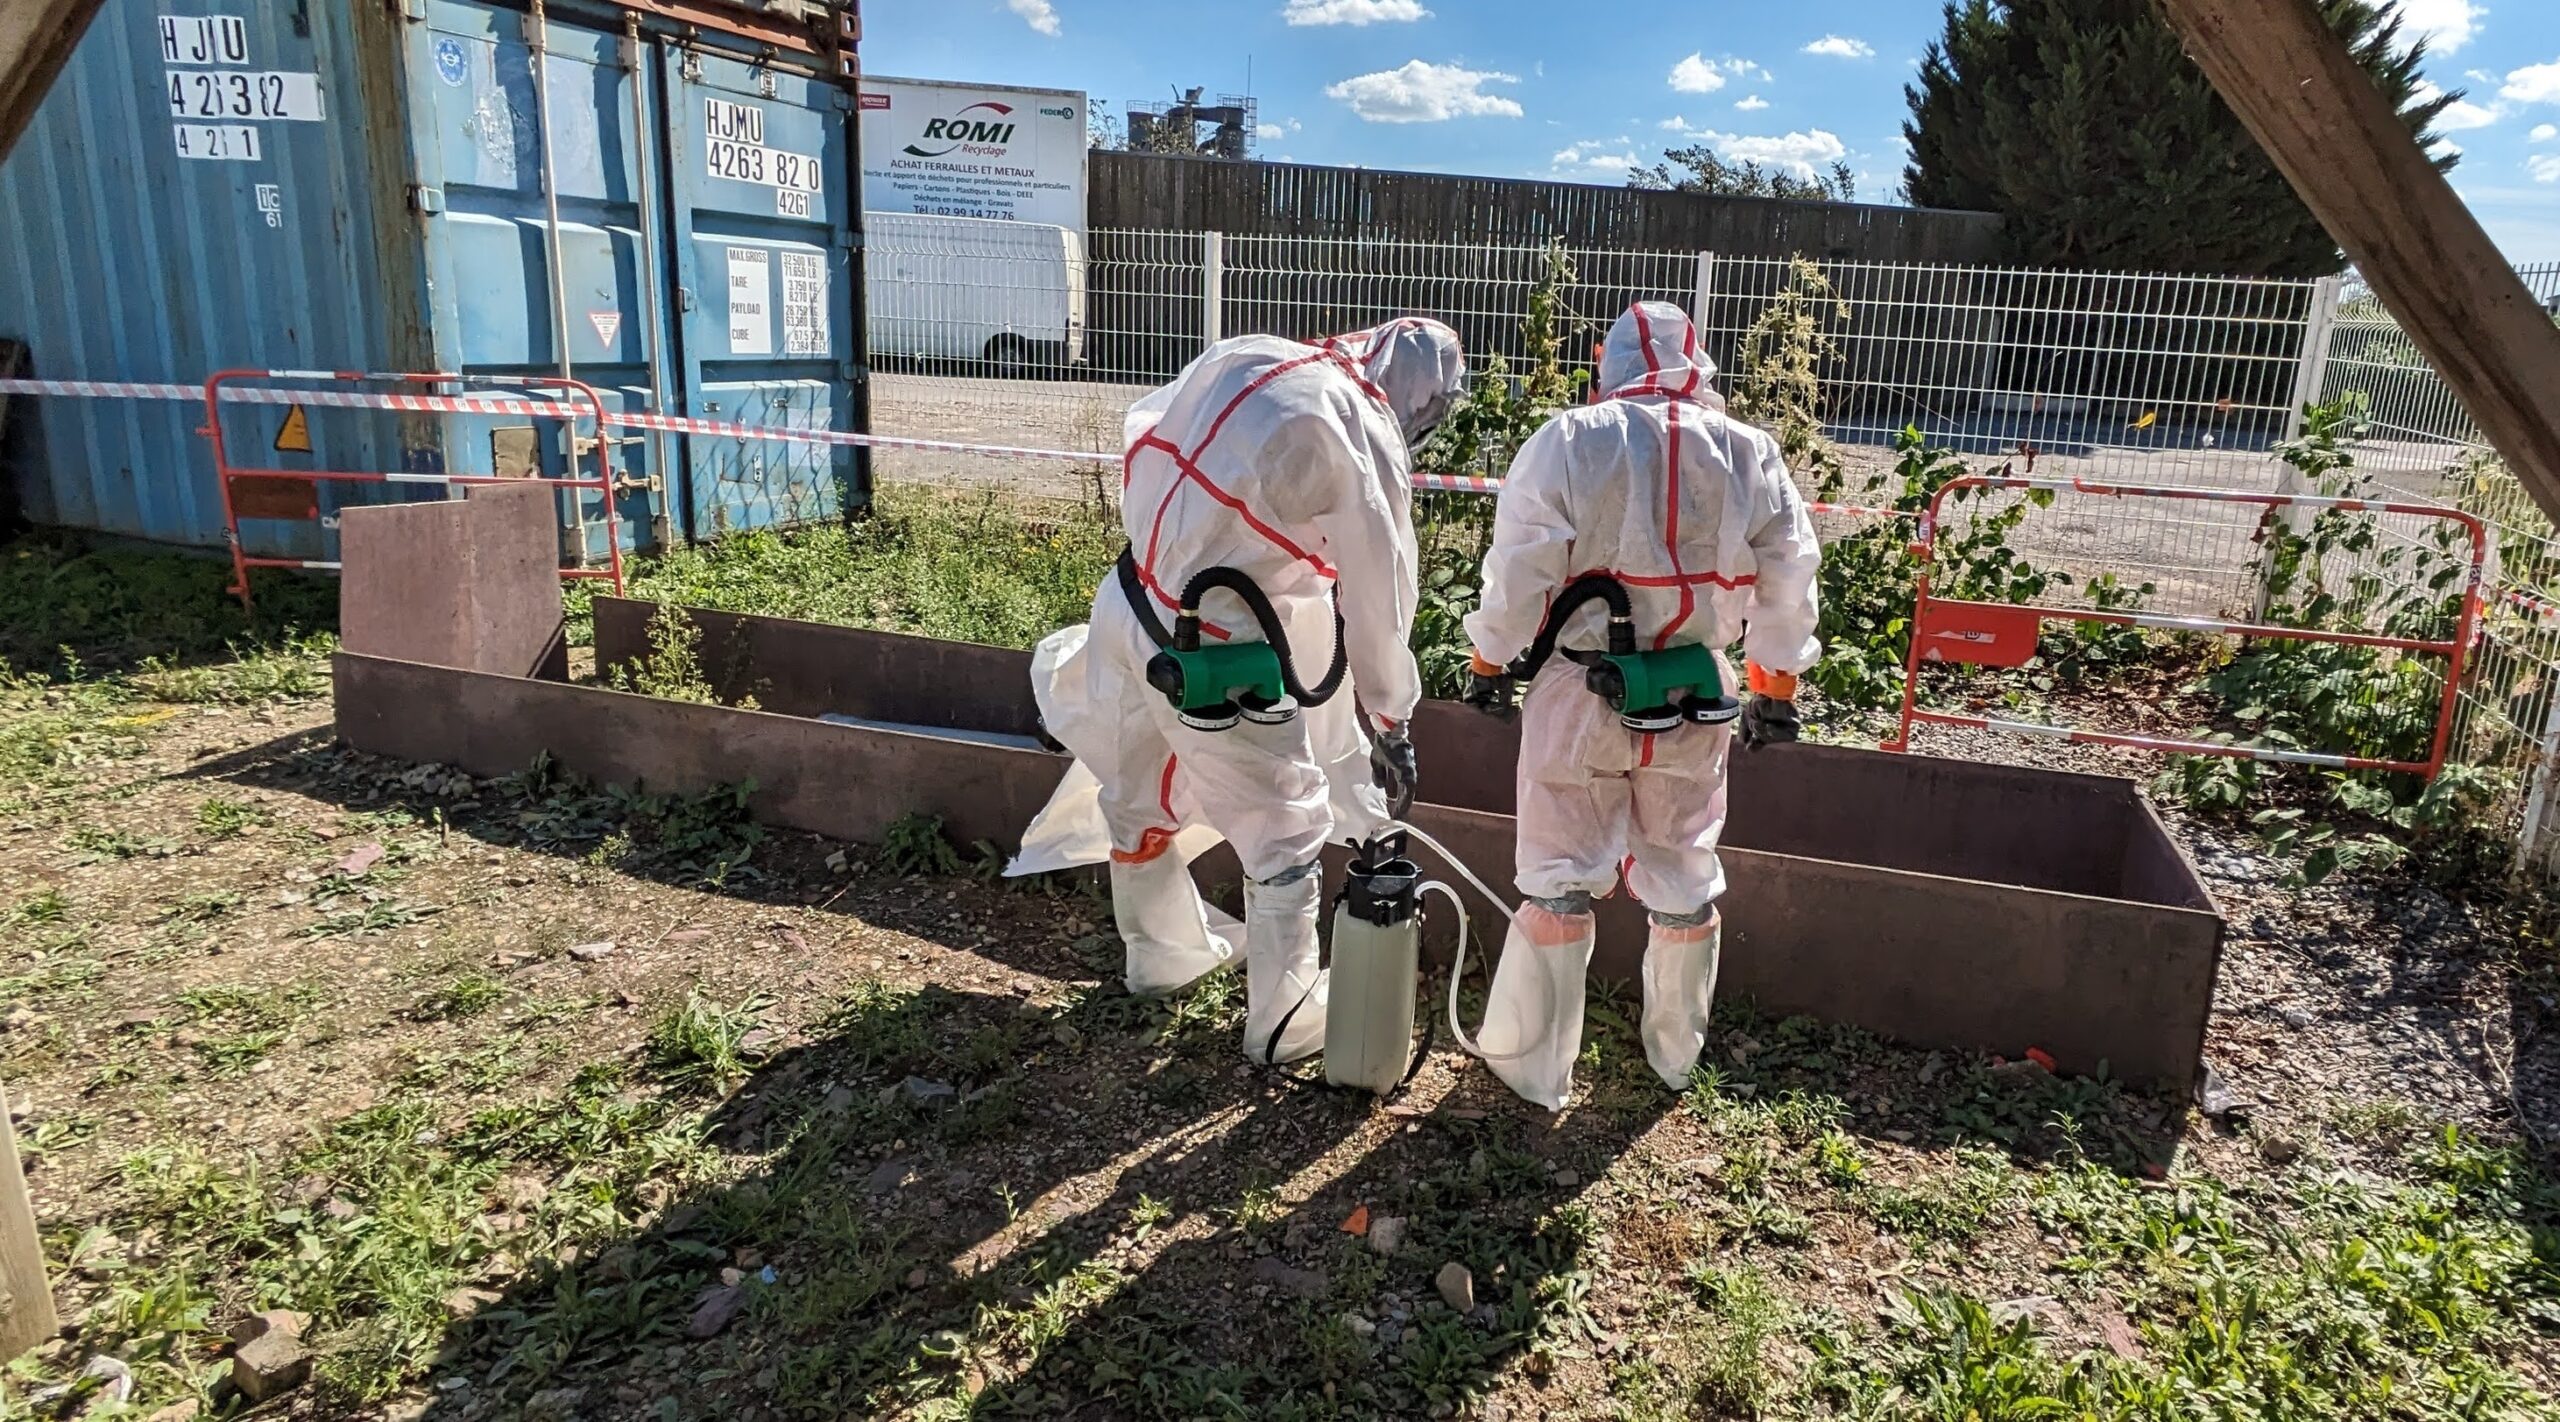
(1533, 1016)
(1679, 990)
(1164, 925)
(1283, 983)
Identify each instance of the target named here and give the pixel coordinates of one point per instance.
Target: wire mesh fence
(2102, 378)
(2423, 445)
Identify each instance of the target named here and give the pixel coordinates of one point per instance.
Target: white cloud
(2445, 24)
(1751, 104)
(1695, 76)
(1841, 47)
(2533, 84)
(1603, 160)
(2544, 133)
(1270, 132)
(2458, 115)
(1040, 15)
(1803, 154)
(1425, 93)
(2462, 114)
(2545, 167)
(1354, 12)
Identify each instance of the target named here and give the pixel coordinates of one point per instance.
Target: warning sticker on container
(294, 436)
(608, 325)
(804, 304)
(750, 298)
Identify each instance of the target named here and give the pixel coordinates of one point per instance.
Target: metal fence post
(2539, 789)
(1702, 296)
(2310, 381)
(1213, 288)
(2311, 367)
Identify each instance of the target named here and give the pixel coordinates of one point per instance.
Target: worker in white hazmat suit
(1290, 465)
(1694, 515)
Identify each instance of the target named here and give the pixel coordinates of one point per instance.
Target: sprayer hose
(1576, 593)
(1255, 602)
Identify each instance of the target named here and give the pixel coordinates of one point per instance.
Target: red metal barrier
(2005, 634)
(588, 406)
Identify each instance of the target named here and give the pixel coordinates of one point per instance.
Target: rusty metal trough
(1939, 902)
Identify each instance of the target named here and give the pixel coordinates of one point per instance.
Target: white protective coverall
(1288, 463)
(1695, 515)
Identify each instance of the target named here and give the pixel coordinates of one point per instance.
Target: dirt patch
(550, 1100)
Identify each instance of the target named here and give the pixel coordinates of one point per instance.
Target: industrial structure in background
(1174, 128)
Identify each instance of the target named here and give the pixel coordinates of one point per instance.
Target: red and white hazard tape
(674, 424)
(686, 424)
(102, 389)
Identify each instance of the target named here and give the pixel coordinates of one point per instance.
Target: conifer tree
(2083, 123)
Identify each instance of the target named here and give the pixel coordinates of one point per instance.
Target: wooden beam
(26, 1300)
(36, 40)
(2330, 131)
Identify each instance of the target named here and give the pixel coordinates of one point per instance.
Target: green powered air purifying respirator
(1214, 685)
(1650, 691)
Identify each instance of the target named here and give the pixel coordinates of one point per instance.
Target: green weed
(465, 997)
(95, 844)
(236, 1052)
(218, 818)
(46, 905)
(915, 844)
(294, 668)
(1742, 1314)
(702, 1041)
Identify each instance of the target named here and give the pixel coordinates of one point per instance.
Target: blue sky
(1551, 90)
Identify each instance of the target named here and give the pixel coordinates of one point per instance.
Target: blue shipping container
(279, 184)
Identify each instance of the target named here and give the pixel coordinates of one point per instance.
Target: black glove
(1768, 721)
(1496, 696)
(1391, 756)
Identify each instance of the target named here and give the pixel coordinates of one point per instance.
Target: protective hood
(1414, 364)
(1654, 348)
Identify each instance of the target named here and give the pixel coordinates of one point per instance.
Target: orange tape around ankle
(1548, 929)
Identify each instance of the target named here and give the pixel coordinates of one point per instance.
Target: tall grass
(965, 568)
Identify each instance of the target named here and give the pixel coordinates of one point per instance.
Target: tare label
(244, 94)
(750, 301)
(204, 39)
(233, 142)
(734, 149)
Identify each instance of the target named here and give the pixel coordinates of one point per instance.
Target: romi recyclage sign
(966, 150)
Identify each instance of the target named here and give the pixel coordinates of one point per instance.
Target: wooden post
(26, 1300)
(2331, 132)
(36, 40)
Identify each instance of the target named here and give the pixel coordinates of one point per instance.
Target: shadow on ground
(947, 1201)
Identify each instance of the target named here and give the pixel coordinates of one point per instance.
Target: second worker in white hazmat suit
(1693, 514)
(1288, 466)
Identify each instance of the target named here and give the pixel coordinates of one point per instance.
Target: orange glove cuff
(1764, 682)
(1477, 664)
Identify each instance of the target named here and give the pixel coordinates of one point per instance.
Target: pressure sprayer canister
(1368, 1030)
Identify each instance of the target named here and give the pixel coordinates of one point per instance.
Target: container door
(490, 255)
(762, 225)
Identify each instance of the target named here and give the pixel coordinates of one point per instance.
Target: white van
(970, 289)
